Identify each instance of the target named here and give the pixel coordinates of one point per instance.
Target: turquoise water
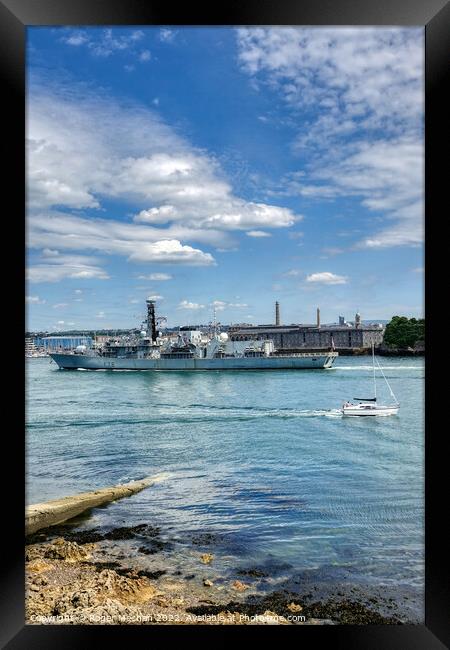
(263, 460)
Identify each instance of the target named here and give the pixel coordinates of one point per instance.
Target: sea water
(262, 461)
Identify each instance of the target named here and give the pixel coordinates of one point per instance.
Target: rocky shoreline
(81, 577)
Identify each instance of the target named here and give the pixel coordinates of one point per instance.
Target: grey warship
(192, 351)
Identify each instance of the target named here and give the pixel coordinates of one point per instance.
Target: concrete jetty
(50, 513)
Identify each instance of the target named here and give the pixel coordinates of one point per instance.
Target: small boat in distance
(369, 405)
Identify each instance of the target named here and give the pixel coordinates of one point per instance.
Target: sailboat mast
(388, 384)
(374, 377)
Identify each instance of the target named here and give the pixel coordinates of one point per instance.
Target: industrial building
(352, 337)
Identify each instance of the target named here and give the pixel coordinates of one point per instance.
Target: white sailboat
(370, 406)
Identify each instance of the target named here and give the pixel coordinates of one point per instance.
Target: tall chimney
(318, 317)
(277, 313)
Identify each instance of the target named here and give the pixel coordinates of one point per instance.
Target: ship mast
(151, 319)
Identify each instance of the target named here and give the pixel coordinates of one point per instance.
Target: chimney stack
(277, 313)
(318, 317)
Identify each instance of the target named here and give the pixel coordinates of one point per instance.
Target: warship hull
(306, 361)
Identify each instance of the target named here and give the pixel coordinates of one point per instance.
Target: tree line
(402, 332)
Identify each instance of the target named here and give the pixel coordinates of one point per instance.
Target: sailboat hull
(369, 410)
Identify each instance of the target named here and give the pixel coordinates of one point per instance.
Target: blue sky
(223, 168)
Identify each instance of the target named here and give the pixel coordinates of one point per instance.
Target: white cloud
(171, 252)
(35, 300)
(155, 297)
(327, 278)
(60, 305)
(167, 35)
(156, 277)
(100, 314)
(360, 93)
(137, 243)
(292, 273)
(66, 266)
(74, 162)
(137, 35)
(257, 233)
(103, 43)
(145, 55)
(76, 38)
(332, 250)
(221, 305)
(162, 214)
(78, 291)
(185, 304)
(368, 77)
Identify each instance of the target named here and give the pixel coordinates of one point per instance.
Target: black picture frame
(434, 16)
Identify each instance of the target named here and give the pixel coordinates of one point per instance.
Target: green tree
(402, 332)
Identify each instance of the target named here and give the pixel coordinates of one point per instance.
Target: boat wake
(382, 367)
(251, 412)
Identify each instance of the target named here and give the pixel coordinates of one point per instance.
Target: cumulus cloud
(34, 300)
(171, 251)
(221, 305)
(75, 38)
(185, 304)
(137, 243)
(257, 233)
(156, 277)
(74, 162)
(167, 35)
(104, 42)
(360, 94)
(327, 278)
(292, 273)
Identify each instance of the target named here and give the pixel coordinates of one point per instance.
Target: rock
(239, 586)
(293, 607)
(37, 566)
(67, 551)
(206, 558)
(269, 618)
(208, 583)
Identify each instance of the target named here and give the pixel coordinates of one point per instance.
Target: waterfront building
(344, 336)
(66, 342)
